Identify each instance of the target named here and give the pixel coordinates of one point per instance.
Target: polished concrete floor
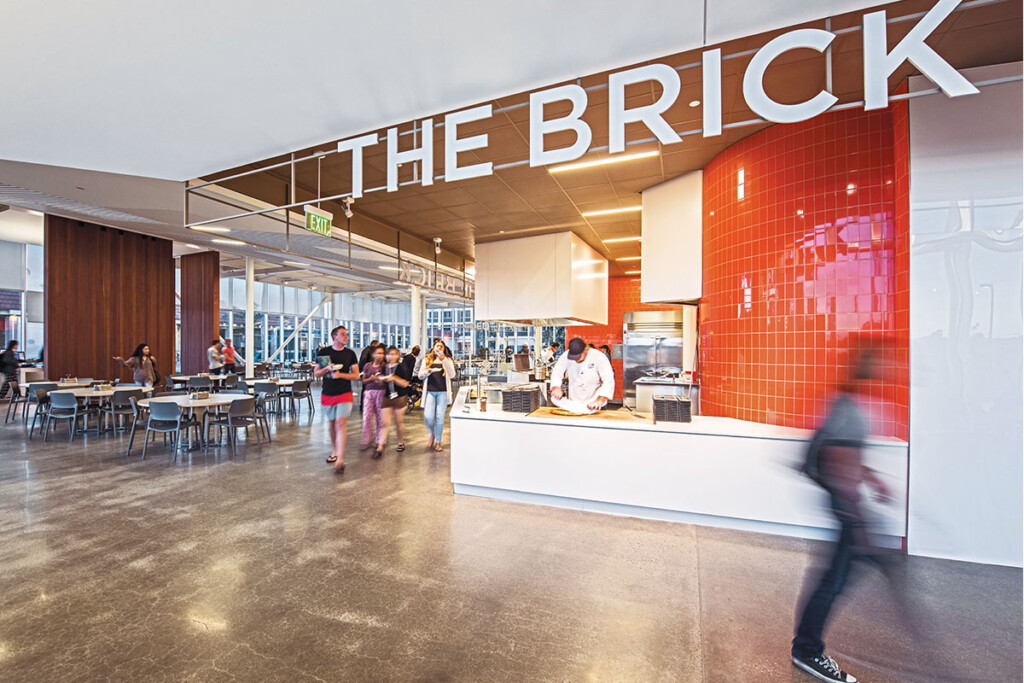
(265, 567)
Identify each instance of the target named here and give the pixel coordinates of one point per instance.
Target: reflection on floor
(265, 567)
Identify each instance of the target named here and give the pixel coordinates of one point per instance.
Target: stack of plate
(520, 399)
(671, 408)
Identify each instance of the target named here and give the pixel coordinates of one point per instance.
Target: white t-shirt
(213, 356)
(588, 379)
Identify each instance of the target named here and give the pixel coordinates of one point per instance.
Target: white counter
(712, 471)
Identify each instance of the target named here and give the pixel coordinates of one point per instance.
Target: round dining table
(192, 404)
(90, 393)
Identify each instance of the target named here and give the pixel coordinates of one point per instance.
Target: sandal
(378, 453)
(400, 447)
(332, 458)
(438, 448)
(339, 469)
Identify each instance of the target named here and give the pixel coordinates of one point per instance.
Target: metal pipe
(299, 327)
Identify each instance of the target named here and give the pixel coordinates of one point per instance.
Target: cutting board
(621, 415)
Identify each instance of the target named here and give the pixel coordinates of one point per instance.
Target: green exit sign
(318, 221)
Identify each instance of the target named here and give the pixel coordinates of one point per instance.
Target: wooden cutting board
(620, 415)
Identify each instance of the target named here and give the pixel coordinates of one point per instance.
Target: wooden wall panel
(107, 290)
(200, 308)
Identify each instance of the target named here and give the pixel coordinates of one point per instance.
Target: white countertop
(624, 420)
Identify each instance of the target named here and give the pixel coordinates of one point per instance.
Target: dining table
(190, 405)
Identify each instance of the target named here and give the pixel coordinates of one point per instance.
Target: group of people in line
(388, 380)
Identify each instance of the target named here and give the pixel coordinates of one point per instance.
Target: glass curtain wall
(281, 310)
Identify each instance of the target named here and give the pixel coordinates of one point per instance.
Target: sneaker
(823, 667)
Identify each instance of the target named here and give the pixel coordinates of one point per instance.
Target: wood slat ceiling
(520, 200)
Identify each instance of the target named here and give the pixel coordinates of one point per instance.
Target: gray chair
(241, 414)
(230, 382)
(300, 390)
(64, 406)
(122, 407)
(165, 418)
(16, 399)
(199, 383)
(34, 396)
(269, 395)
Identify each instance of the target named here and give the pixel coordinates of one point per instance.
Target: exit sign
(318, 221)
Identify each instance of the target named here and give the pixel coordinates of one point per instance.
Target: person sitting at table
(214, 357)
(9, 366)
(143, 365)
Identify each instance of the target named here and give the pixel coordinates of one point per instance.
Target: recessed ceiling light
(694, 103)
(629, 258)
(632, 272)
(207, 228)
(606, 212)
(603, 162)
(227, 242)
(622, 239)
(300, 264)
(192, 246)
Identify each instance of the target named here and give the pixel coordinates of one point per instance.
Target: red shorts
(335, 400)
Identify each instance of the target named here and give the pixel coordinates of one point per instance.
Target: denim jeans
(435, 403)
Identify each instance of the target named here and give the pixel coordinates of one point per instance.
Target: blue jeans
(435, 403)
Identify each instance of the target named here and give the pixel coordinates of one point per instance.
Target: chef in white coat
(591, 379)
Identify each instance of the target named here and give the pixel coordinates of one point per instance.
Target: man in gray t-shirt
(213, 357)
(835, 462)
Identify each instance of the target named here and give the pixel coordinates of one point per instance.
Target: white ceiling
(180, 89)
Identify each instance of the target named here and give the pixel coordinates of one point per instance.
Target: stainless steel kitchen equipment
(657, 344)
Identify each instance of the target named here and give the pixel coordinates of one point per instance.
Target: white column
(250, 314)
(418, 331)
(537, 341)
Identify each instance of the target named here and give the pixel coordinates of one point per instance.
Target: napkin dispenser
(201, 395)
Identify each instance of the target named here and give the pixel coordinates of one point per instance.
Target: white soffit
(178, 90)
(731, 19)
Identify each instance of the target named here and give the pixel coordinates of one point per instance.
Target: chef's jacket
(587, 380)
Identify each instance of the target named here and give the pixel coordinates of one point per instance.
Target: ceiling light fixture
(632, 272)
(227, 242)
(629, 258)
(300, 264)
(389, 267)
(623, 239)
(346, 206)
(603, 162)
(207, 228)
(192, 246)
(694, 103)
(606, 212)
(437, 245)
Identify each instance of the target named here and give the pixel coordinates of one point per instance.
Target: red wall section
(806, 262)
(623, 297)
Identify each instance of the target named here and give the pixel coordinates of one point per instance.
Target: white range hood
(555, 279)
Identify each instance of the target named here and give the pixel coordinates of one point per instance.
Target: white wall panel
(672, 228)
(966, 407)
(12, 265)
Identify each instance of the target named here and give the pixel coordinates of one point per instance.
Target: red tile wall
(806, 263)
(623, 297)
